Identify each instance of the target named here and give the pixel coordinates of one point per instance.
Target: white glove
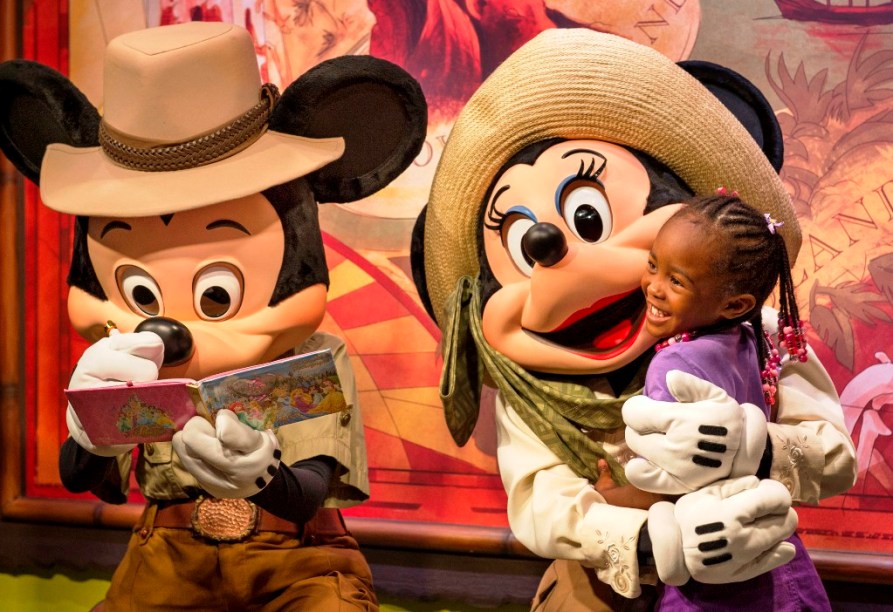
(730, 531)
(684, 446)
(229, 460)
(112, 361)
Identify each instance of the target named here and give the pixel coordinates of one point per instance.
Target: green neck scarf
(554, 408)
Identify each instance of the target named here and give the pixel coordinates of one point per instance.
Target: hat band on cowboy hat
(584, 85)
(220, 143)
(182, 128)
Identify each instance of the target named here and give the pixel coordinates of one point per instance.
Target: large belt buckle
(224, 520)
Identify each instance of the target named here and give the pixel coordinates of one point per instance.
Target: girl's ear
(38, 107)
(746, 102)
(378, 109)
(738, 305)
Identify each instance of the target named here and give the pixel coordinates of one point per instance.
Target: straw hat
(184, 126)
(581, 84)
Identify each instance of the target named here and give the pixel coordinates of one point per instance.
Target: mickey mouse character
(555, 180)
(197, 235)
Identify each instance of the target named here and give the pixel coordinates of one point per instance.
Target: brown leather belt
(233, 520)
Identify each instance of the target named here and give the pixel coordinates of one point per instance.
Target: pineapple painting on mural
(838, 160)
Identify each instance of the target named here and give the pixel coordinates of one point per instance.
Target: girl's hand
(626, 495)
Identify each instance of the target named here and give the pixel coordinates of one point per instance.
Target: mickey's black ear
(378, 109)
(39, 106)
(744, 101)
(417, 261)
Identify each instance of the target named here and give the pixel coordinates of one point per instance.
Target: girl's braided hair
(751, 256)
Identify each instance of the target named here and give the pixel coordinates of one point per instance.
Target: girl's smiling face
(683, 290)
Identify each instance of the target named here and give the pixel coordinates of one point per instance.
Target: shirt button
(345, 417)
(144, 532)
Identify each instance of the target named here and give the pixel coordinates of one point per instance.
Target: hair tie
(723, 191)
(772, 224)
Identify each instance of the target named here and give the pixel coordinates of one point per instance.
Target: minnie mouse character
(556, 178)
(197, 235)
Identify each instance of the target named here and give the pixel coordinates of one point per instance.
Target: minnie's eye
(586, 211)
(217, 292)
(140, 291)
(513, 230)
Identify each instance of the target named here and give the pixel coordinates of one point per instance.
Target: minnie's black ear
(417, 261)
(376, 106)
(744, 101)
(39, 106)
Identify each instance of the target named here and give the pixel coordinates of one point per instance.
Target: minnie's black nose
(545, 244)
(177, 338)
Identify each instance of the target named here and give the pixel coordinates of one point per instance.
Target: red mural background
(829, 83)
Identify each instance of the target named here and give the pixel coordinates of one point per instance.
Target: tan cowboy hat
(184, 126)
(581, 84)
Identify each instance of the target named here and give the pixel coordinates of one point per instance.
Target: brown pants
(173, 569)
(567, 586)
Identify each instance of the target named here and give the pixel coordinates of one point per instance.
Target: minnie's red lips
(585, 312)
(603, 330)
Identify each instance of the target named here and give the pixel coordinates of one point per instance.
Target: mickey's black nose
(177, 338)
(545, 244)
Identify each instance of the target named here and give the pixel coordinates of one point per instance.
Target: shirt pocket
(157, 475)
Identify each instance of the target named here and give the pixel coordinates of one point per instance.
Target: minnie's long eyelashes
(591, 173)
(587, 174)
(495, 218)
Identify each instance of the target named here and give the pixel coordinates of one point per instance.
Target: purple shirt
(729, 360)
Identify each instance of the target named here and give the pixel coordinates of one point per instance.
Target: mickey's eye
(140, 291)
(514, 227)
(586, 211)
(217, 292)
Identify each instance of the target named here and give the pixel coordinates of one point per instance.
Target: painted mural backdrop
(825, 65)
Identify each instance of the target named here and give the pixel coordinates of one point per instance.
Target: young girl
(712, 266)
